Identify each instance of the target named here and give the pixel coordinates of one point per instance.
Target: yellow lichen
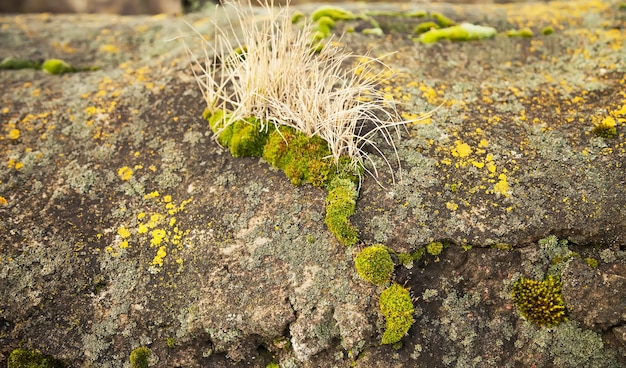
(125, 173)
(461, 149)
(123, 232)
(14, 134)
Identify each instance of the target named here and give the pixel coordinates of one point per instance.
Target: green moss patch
(374, 264)
(540, 302)
(22, 358)
(139, 357)
(397, 308)
(462, 32)
(340, 205)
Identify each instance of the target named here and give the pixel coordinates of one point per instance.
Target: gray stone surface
(230, 265)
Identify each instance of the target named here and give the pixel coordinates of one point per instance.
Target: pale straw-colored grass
(280, 80)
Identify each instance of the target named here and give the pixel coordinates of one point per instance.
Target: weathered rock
(123, 224)
(597, 299)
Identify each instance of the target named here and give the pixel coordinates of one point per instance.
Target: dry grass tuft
(264, 67)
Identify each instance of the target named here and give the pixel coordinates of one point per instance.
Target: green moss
(416, 14)
(297, 17)
(12, 63)
(547, 31)
(139, 357)
(332, 12)
(405, 259)
(302, 158)
(340, 205)
(56, 66)
(463, 32)
(373, 31)
(540, 302)
(591, 262)
(524, 32)
(397, 308)
(434, 248)
(272, 365)
(374, 264)
(622, 6)
(171, 343)
(442, 20)
(502, 246)
(425, 27)
(418, 254)
(466, 247)
(22, 358)
(324, 27)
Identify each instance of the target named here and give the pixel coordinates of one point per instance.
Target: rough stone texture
(597, 299)
(247, 273)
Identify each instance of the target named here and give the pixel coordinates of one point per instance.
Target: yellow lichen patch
(123, 232)
(452, 206)
(156, 229)
(108, 48)
(157, 236)
(3, 201)
(502, 186)
(461, 149)
(158, 258)
(125, 173)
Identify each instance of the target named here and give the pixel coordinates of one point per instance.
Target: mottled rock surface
(123, 224)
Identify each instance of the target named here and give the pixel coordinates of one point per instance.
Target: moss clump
(297, 17)
(56, 66)
(425, 27)
(591, 262)
(374, 264)
(324, 27)
(540, 302)
(434, 248)
(340, 205)
(397, 308)
(302, 158)
(242, 137)
(332, 12)
(605, 128)
(139, 357)
(12, 63)
(22, 358)
(463, 32)
(547, 31)
(442, 20)
(524, 32)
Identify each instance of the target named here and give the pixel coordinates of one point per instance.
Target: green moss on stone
(397, 308)
(524, 32)
(302, 158)
(374, 264)
(12, 63)
(442, 20)
(540, 302)
(591, 262)
(22, 358)
(139, 357)
(434, 248)
(332, 12)
(340, 205)
(463, 32)
(56, 66)
(425, 27)
(547, 31)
